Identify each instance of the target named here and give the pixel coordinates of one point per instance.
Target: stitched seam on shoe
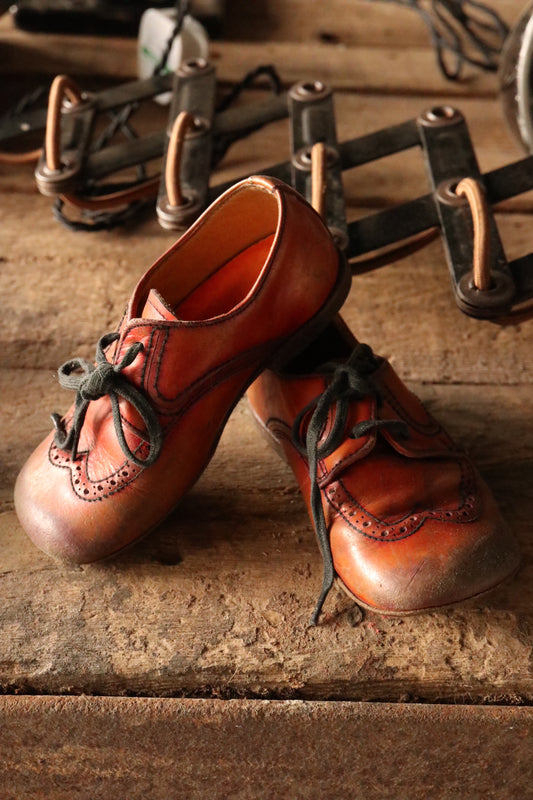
(361, 453)
(378, 521)
(236, 363)
(433, 425)
(376, 538)
(283, 431)
(275, 192)
(149, 360)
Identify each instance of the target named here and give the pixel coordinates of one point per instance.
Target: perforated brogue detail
(89, 489)
(364, 523)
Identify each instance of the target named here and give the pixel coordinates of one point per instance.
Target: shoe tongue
(156, 308)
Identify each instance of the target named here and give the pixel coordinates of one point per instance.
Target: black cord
(182, 9)
(263, 70)
(223, 142)
(26, 102)
(467, 31)
(98, 221)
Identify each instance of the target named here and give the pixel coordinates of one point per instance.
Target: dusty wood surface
(151, 749)
(362, 45)
(216, 602)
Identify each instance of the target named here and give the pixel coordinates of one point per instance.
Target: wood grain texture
(148, 749)
(351, 23)
(388, 69)
(216, 601)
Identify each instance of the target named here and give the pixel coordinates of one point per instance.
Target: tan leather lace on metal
(183, 122)
(475, 194)
(359, 266)
(62, 87)
(319, 177)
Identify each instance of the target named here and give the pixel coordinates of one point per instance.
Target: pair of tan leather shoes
(243, 300)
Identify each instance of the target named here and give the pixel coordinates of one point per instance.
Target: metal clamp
(449, 155)
(312, 121)
(188, 148)
(75, 125)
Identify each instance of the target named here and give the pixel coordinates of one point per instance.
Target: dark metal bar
(380, 144)
(243, 118)
(522, 272)
(510, 180)
(120, 156)
(132, 92)
(128, 154)
(391, 225)
(24, 123)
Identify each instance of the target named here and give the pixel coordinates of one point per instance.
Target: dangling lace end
(61, 437)
(63, 440)
(326, 588)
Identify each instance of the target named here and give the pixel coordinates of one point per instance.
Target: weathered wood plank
(147, 749)
(362, 23)
(347, 22)
(217, 600)
(384, 70)
(388, 69)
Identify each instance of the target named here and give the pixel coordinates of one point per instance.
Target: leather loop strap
(319, 177)
(62, 87)
(183, 122)
(475, 194)
(141, 191)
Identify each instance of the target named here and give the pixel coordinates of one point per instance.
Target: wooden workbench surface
(215, 603)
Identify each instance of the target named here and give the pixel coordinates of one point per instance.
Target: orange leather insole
(226, 287)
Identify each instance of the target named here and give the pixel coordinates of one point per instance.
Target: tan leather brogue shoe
(245, 287)
(404, 521)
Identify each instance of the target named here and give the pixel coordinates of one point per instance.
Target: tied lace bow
(102, 379)
(349, 382)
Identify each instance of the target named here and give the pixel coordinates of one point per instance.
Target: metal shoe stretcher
(485, 286)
